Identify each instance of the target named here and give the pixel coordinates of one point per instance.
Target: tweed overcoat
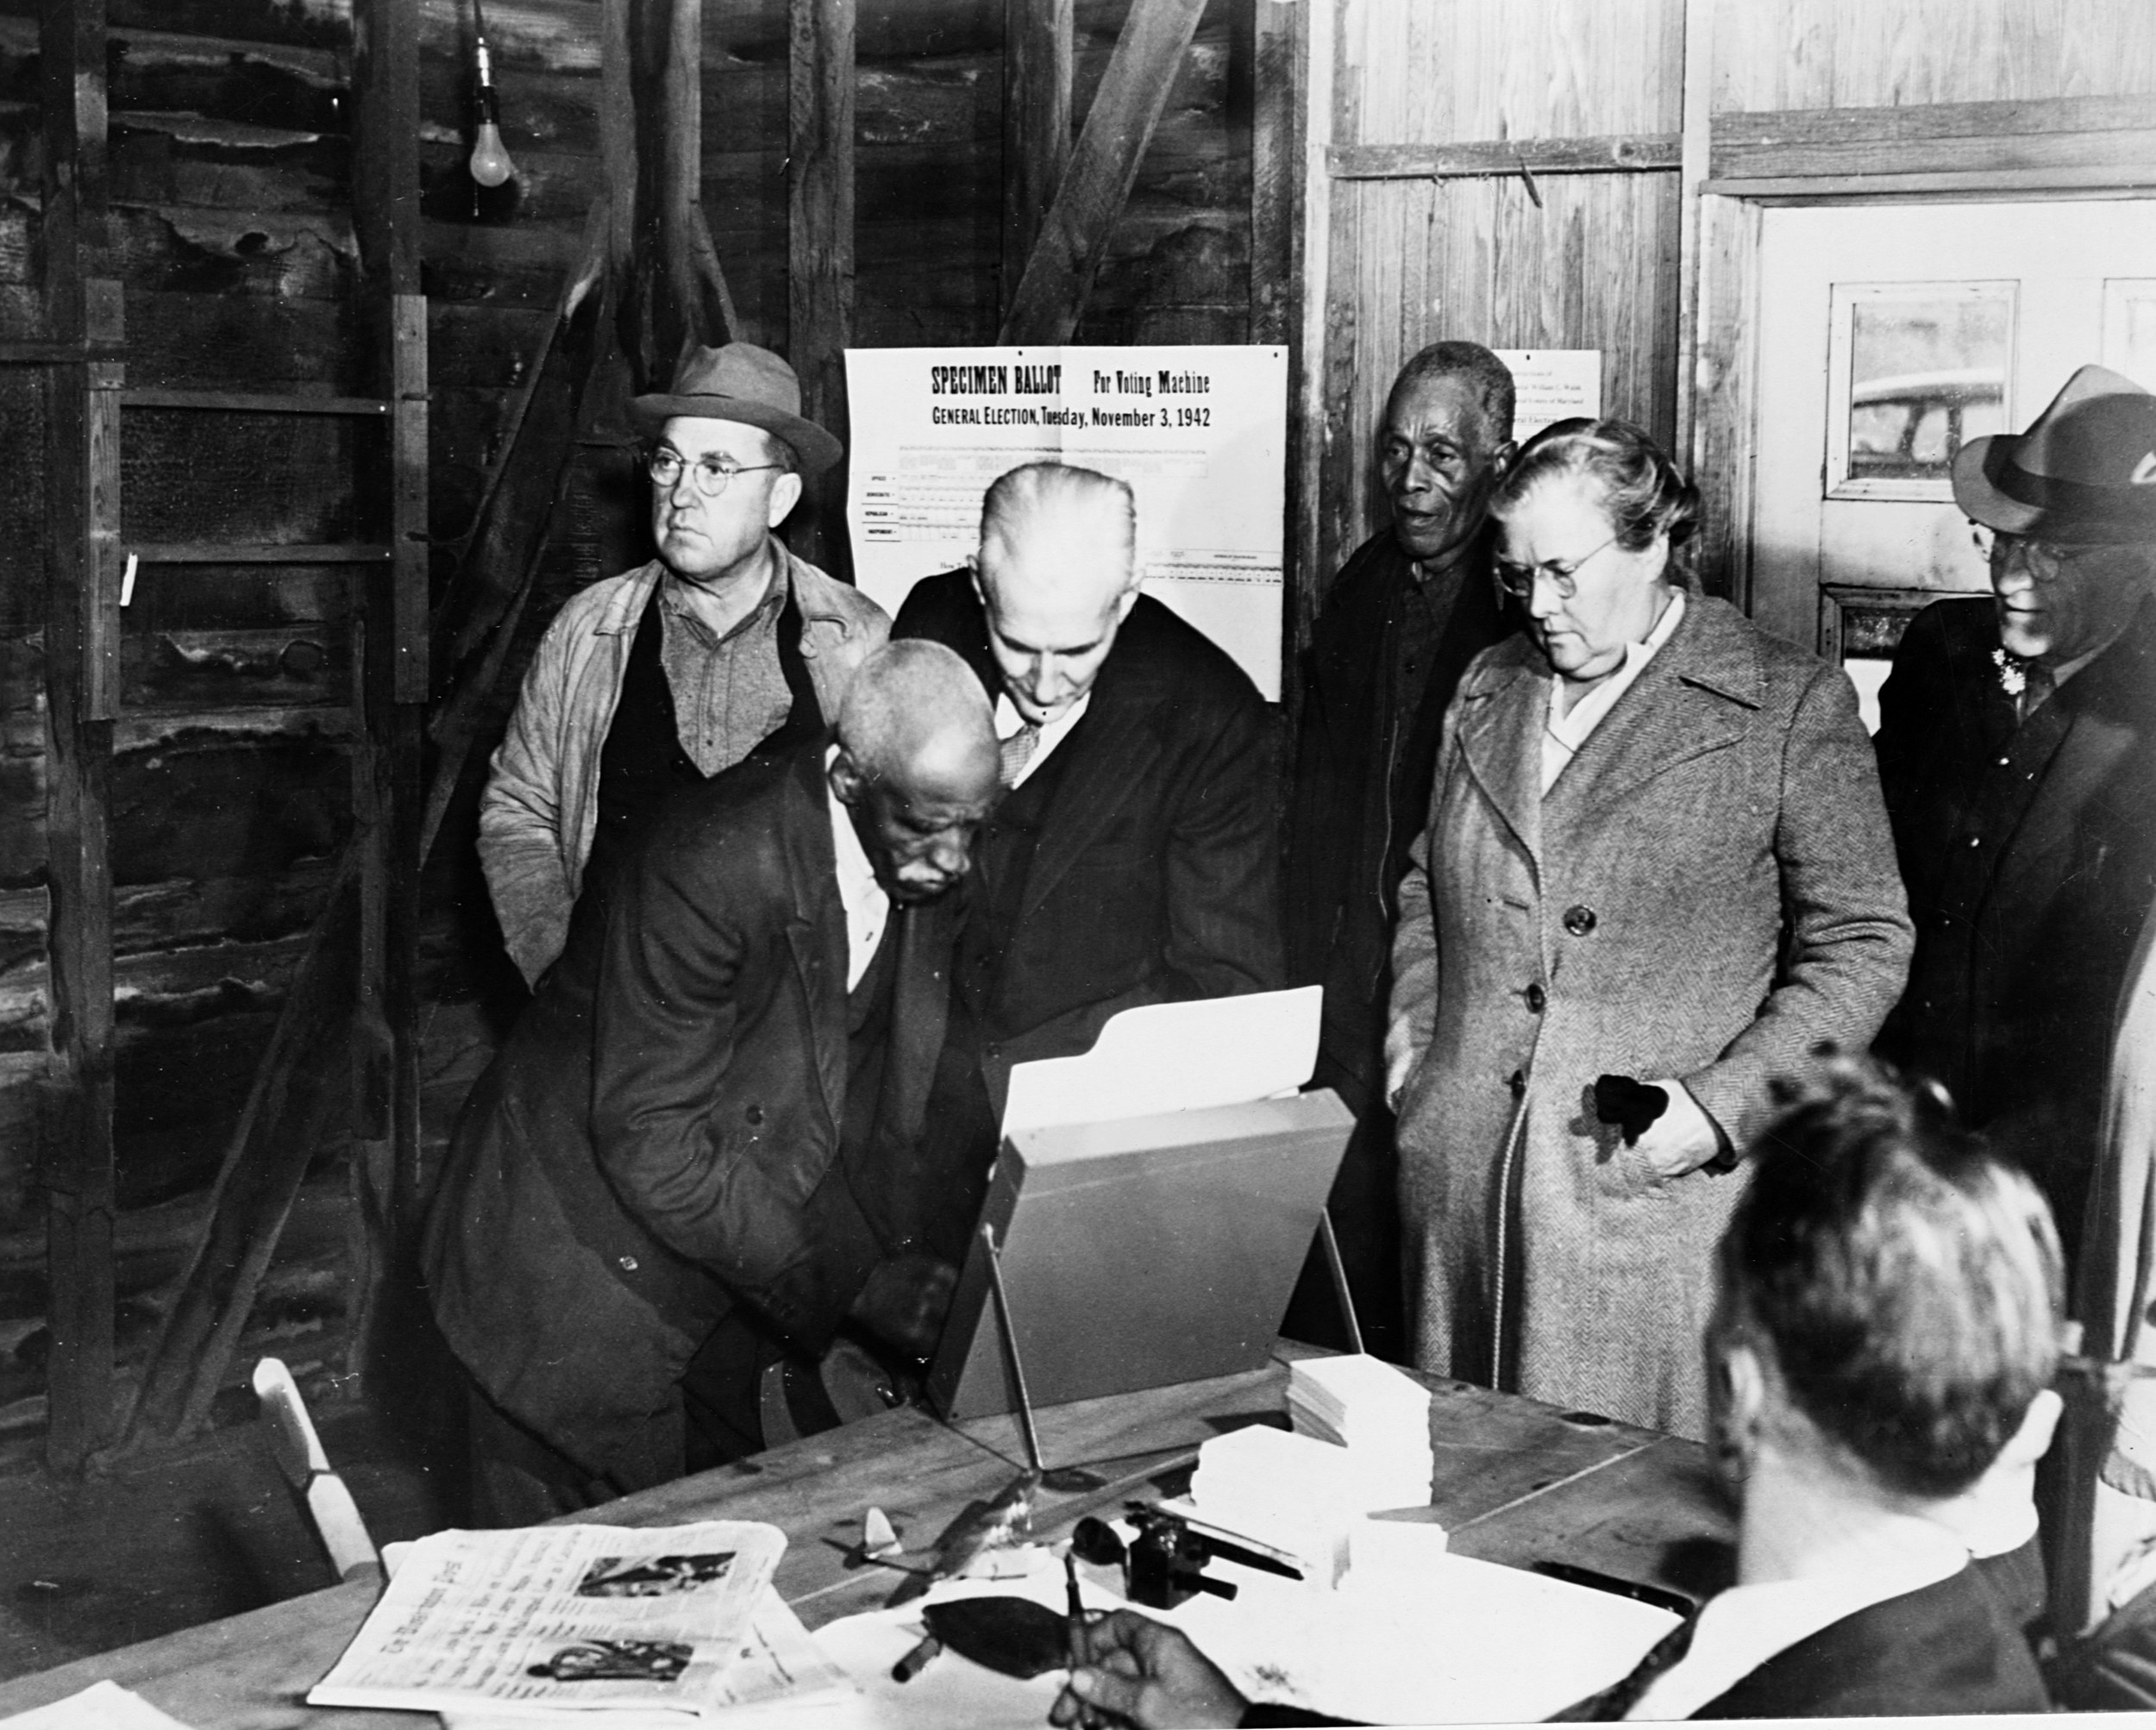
(660, 1142)
(1707, 891)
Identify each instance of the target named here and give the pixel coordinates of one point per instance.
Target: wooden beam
(1118, 127)
(390, 677)
(2115, 135)
(1036, 65)
(820, 253)
(1490, 158)
(1278, 97)
(83, 305)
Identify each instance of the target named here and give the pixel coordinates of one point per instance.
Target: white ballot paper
(1174, 1057)
(1449, 1641)
(570, 1617)
(1199, 431)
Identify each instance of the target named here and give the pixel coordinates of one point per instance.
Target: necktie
(1017, 752)
(1622, 1696)
(2037, 684)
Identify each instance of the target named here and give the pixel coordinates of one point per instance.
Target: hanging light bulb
(490, 165)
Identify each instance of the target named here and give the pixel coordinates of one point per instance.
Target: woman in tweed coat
(1656, 849)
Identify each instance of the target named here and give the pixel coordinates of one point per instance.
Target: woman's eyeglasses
(1518, 580)
(712, 474)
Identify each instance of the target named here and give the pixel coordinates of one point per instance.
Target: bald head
(916, 766)
(1057, 575)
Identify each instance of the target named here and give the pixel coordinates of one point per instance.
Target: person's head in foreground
(1057, 573)
(2065, 515)
(1886, 1331)
(1589, 516)
(1888, 1302)
(916, 766)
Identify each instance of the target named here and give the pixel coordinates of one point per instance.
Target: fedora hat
(2084, 472)
(740, 382)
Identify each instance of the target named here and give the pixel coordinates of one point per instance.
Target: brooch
(2013, 674)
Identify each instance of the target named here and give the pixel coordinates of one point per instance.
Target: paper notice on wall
(1552, 384)
(1200, 434)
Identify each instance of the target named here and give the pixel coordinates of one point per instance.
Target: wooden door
(1886, 336)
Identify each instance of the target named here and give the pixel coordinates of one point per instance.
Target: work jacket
(541, 808)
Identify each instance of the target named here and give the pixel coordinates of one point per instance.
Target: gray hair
(1064, 495)
(1488, 379)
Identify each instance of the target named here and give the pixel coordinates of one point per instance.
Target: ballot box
(1139, 1251)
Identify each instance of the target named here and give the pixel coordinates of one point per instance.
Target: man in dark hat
(661, 677)
(2017, 750)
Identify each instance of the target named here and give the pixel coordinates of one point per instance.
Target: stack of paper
(1293, 1494)
(1377, 1413)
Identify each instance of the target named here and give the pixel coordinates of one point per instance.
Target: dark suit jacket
(1156, 874)
(1947, 1648)
(659, 1142)
(2030, 859)
(1354, 763)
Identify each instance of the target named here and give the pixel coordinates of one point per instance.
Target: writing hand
(1143, 1673)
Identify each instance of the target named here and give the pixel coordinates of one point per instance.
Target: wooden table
(1516, 1482)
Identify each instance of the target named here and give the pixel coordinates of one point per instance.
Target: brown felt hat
(2085, 473)
(741, 382)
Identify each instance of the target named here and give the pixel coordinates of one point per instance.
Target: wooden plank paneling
(1593, 266)
(1433, 72)
(1859, 53)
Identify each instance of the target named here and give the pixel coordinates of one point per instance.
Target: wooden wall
(231, 179)
(1560, 261)
(1431, 234)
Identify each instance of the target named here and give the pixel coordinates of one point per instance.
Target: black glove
(1631, 1106)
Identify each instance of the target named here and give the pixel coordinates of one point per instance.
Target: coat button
(1579, 921)
(1518, 1083)
(754, 1115)
(1537, 997)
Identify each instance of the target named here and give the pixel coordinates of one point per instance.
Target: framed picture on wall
(1914, 370)
(1859, 626)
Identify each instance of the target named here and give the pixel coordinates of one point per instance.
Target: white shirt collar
(867, 903)
(1746, 1625)
(1563, 735)
(1009, 721)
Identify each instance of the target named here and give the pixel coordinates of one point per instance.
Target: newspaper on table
(554, 1619)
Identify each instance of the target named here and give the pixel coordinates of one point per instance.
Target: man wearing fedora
(661, 677)
(2017, 750)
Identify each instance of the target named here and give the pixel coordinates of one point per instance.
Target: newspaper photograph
(562, 1617)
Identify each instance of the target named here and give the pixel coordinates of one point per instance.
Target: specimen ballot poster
(1200, 433)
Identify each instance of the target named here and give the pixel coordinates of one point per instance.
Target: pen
(1074, 1631)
